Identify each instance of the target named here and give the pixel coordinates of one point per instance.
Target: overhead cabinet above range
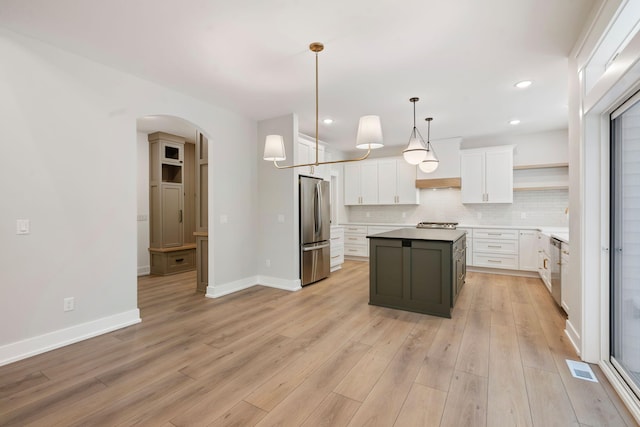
(487, 175)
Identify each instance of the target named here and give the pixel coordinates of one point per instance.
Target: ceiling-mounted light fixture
(523, 84)
(430, 163)
(416, 151)
(369, 136)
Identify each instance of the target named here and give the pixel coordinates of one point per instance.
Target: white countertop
(561, 233)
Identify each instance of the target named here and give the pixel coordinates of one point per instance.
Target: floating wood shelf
(542, 166)
(551, 187)
(438, 183)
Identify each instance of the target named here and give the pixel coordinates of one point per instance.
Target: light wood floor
(318, 357)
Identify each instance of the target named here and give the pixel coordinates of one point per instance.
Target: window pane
(625, 234)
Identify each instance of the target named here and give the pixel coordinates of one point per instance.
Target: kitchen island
(419, 270)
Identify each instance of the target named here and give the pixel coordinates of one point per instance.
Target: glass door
(625, 242)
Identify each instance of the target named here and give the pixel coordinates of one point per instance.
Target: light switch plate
(23, 226)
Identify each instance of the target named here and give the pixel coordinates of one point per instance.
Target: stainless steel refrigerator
(315, 228)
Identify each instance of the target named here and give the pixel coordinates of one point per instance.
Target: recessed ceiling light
(514, 122)
(523, 84)
(327, 121)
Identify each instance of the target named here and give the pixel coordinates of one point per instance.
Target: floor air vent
(581, 370)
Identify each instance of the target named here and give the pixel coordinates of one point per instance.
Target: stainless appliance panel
(556, 265)
(315, 212)
(315, 229)
(316, 262)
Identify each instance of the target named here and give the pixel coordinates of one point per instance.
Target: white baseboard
(217, 291)
(573, 336)
(503, 272)
(42, 343)
(275, 282)
(144, 270)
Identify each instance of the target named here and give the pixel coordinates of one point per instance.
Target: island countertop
(440, 235)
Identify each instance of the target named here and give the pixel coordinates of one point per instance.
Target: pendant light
(430, 163)
(416, 151)
(369, 136)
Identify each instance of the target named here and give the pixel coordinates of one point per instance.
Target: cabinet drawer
(351, 229)
(356, 250)
(173, 262)
(355, 239)
(336, 241)
(495, 261)
(496, 246)
(337, 257)
(489, 233)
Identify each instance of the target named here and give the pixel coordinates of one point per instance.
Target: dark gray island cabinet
(419, 270)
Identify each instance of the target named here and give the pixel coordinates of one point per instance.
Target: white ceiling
(460, 57)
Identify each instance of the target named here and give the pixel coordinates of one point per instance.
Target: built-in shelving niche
(550, 176)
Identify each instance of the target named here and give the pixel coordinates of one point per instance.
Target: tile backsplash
(530, 208)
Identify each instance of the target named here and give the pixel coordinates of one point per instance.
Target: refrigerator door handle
(319, 206)
(315, 248)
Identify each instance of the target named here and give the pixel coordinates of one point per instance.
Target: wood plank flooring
(317, 357)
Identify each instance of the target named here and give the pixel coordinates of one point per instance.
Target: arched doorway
(172, 196)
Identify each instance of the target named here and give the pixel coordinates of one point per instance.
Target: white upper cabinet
(397, 183)
(388, 181)
(361, 183)
(487, 175)
(306, 153)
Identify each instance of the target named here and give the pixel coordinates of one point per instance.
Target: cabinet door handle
(179, 259)
(180, 215)
(492, 260)
(494, 246)
(544, 264)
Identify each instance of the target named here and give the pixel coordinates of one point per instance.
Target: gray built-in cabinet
(172, 202)
(202, 212)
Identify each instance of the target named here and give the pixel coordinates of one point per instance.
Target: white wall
(278, 242)
(531, 148)
(69, 128)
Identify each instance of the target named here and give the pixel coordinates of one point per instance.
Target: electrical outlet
(281, 218)
(479, 215)
(69, 304)
(523, 215)
(404, 214)
(368, 214)
(268, 263)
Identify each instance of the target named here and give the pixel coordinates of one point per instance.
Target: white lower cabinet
(564, 275)
(544, 260)
(528, 250)
(355, 241)
(337, 248)
(495, 248)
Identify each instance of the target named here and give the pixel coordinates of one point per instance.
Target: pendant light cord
(317, 108)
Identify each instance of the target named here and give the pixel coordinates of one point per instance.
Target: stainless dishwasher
(556, 266)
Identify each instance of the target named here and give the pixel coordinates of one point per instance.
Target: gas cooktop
(445, 225)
